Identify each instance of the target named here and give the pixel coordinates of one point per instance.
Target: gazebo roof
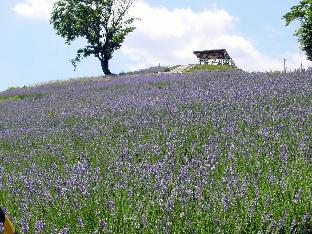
(212, 54)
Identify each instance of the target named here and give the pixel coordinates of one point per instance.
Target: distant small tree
(103, 23)
(303, 13)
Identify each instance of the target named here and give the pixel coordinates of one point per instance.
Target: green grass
(208, 67)
(5, 98)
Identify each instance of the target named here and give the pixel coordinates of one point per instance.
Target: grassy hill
(208, 67)
(207, 152)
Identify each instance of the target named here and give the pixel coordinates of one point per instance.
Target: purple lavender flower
(1, 228)
(25, 226)
(170, 205)
(297, 196)
(200, 141)
(283, 152)
(64, 230)
(144, 220)
(39, 226)
(267, 200)
(80, 222)
(102, 225)
(293, 226)
(306, 217)
(225, 201)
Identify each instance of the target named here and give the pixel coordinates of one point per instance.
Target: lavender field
(208, 152)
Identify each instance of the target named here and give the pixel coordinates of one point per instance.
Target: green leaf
(102, 23)
(303, 13)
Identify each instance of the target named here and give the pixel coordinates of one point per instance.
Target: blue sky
(252, 31)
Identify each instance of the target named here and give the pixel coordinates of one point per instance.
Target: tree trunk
(104, 65)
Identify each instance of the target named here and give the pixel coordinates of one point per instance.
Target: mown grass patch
(208, 67)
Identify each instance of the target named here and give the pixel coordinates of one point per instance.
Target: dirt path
(181, 68)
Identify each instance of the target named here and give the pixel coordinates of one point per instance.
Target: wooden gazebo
(215, 57)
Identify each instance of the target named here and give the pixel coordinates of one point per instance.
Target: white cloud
(169, 37)
(34, 8)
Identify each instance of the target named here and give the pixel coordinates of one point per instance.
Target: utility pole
(301, 66)
(284, 65)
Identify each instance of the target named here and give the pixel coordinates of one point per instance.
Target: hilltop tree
(103, 23)
(303, 13)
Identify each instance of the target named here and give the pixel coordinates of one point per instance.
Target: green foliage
(303, 13)
(208, 67)
(103, 23)
(12, 88)
(4, 98)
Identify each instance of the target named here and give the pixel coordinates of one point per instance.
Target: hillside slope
(223, 151)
